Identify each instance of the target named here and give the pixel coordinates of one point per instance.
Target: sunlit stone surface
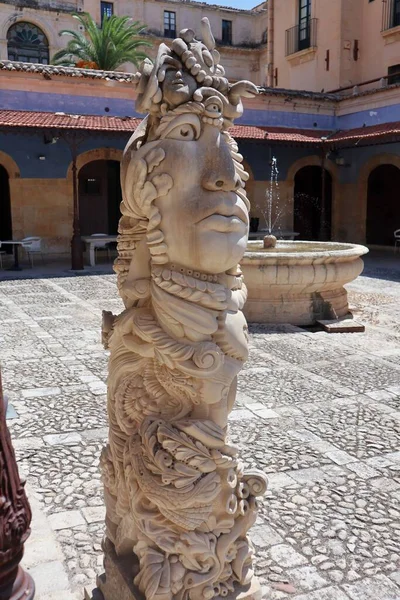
(179, 501)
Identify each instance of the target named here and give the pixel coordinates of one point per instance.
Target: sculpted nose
(220, 173)
(218, 181)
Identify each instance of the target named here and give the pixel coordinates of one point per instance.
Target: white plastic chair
(101, 245)
(396, 239)
(32, 245)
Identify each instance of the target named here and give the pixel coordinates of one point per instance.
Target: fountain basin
(299, 282)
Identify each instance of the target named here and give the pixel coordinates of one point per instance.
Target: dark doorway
(312, 209)
(99, 197)
(383, 205)
(5, 209)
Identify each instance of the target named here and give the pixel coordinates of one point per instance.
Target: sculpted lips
(225, 217)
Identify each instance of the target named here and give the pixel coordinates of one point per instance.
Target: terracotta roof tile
(16, 118)
(278, 134)
(43, 120)
(368, 134)
(49, 70)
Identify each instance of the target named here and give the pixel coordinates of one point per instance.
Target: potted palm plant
(106, 48)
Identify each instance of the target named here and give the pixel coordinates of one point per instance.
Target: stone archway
(383, 205)
(9, 171)
(313, 204)
(331, 186)
(92, 155)
(10, 165)
(363, 181)
(5, 207)
(100, 196)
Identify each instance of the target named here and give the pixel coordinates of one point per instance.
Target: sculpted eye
(213, 107)
(183, 132)
(186, 127)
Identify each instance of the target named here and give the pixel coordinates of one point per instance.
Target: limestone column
(179, 501)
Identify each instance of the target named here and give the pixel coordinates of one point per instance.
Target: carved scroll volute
(15, 518)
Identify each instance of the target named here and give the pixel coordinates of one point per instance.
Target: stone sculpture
(179, 503)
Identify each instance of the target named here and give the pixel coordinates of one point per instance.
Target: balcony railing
(390, 14)
(301, 37)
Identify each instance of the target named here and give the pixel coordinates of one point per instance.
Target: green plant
(107, 47)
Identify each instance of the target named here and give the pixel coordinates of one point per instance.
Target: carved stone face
(203, 219)
(178, 87)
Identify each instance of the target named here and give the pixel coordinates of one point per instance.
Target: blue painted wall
(259, 156)
(365, 118)
(25, 150)
(78, 105)
(357, 157)
(276, 118)
(94, 105)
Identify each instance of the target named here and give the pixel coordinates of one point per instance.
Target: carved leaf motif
(163, 183)
(154, 574)
(148, 194)
(154, 158)
(221, 526)
(199, 553)
(185, 450)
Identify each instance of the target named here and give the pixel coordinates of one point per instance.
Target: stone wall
(43, 207)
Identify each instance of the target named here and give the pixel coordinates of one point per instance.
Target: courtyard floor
(318, 412)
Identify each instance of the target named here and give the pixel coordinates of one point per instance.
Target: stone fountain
(179, 502)
(297, 282)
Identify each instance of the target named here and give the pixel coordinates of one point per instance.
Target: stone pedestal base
(117, 581)
(16, 585)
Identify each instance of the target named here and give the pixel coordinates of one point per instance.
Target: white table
(16, 245)
(92, 241)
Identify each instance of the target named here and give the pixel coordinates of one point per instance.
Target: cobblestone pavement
(318, 412)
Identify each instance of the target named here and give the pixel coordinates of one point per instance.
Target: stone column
(15, 518)
(179, 501)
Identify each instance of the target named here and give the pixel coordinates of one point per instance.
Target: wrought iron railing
(390, 14)
(301, 37)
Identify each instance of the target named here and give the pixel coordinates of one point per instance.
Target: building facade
(29, 30)
(338, 154)
(324, 45)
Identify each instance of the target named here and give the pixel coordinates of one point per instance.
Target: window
(391, 14)
(303, 35)
(226, 32)
(396, 13)
(304, 23)
(169, 24)
(106, 10)
(393, 74)
(27, 43)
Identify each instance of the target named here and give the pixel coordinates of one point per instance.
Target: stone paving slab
(319, 413)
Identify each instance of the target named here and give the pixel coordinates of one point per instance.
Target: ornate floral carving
(176, 492)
